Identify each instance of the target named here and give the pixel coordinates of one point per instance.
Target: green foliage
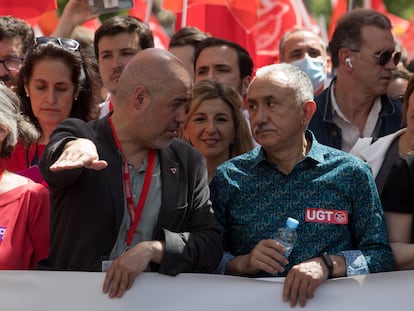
(401, 8)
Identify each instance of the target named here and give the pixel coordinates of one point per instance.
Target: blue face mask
(314, 67)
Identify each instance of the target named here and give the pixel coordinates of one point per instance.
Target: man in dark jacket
(126, 196)
(355, 104)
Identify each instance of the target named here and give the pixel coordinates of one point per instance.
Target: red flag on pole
(244, 11)
(27, 10)
(233, 20)
(275, 18)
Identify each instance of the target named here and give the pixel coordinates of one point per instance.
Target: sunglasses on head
(385, 56)
(67, 43)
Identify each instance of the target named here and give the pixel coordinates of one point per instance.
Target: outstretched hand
(79, 153)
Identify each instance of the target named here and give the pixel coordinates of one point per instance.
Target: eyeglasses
(12, 63)
(385, 56)
(67, 43)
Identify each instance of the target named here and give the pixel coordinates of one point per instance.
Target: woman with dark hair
(24, 205)
(55, 83)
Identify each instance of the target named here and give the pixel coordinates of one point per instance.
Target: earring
(27, 95)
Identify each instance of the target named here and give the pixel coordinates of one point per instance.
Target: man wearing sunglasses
(355, 104)
(16, 36)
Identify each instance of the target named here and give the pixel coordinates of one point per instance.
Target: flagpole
(184, 14)
(148, 11)
(367, 4)
(351, 5)
(304, 14)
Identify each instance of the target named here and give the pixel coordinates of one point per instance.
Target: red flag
(338, 10)
(276, 17)
(206, 16)
(161, 39)
(27, 10)
(244, 11)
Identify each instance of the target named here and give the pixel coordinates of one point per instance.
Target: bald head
(152, 68)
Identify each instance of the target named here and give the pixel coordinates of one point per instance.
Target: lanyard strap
(35, 159)
(134, 212)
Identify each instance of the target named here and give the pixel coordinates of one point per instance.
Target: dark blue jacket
(328, 133)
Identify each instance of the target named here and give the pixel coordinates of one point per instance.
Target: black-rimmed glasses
(67, 43)
(12, 63)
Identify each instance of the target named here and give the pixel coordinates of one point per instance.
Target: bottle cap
(292, 223)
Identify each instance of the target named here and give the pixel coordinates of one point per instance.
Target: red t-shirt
(24, 226)
(21, 157)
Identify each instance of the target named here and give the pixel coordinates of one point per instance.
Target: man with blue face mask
(306, 50)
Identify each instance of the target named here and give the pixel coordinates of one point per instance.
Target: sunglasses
(385, 56)
(67, 43)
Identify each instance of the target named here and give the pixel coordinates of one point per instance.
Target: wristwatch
(328, 262)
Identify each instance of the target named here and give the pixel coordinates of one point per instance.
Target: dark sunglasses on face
(385, 56)
(67, 43)
(12, 63)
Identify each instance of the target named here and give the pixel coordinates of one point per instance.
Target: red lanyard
(134, 212)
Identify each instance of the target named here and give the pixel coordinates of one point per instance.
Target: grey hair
(12, 119)
(297, 79)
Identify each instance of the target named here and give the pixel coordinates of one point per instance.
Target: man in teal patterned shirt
(333, 195)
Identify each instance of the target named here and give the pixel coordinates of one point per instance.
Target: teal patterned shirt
(252, 199)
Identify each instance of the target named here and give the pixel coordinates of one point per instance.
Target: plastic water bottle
(287, 236)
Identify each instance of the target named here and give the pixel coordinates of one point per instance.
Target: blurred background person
(55, 83)
(16, 37)
(183, 44)
(399, 81)
(381, 154)
(227, 62)
(398, 204)
(224, 61)
(116, 42)
(215, 124)
(306, 50)
(24, 205)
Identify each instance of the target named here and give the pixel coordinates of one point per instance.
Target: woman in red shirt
(24, 204)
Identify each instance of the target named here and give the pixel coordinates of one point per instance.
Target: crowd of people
(119, 157)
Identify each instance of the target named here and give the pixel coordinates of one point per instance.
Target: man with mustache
(331, 193)
(126, 196)
(116, 42)
(16, 37)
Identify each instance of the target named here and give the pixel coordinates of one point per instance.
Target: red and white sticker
(330, 216)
